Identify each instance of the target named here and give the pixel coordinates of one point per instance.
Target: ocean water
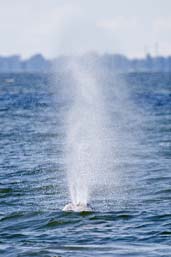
(133, 221)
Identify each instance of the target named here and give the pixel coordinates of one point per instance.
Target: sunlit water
(132, 216)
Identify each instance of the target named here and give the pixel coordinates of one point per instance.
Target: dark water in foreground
(136, 222)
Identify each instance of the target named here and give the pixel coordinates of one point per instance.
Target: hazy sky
(54, 27)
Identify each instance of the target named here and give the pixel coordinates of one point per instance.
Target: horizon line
(88, 53)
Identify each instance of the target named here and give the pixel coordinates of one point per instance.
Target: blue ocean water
(33, 187)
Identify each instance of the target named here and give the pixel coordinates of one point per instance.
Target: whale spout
(80, 207)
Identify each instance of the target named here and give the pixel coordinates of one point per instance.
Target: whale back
(77, 207)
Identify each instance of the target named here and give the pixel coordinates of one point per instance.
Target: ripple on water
(133, 221)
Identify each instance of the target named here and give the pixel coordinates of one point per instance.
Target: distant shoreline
(117, 62)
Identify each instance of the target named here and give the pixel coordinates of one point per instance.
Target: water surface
(135, 221)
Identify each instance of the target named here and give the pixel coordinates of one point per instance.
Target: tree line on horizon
(115, 62)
